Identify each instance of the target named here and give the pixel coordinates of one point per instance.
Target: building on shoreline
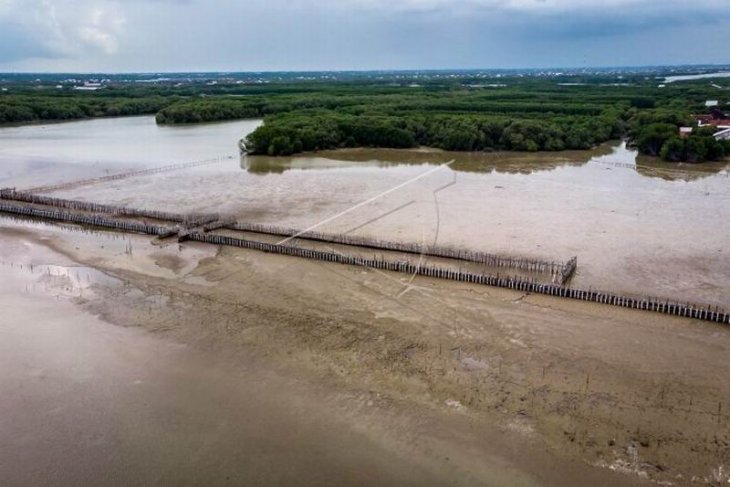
(722, 134)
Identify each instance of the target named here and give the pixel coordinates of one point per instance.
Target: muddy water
(42, 154)
(83, 402)
(643, 228)
(143, 410)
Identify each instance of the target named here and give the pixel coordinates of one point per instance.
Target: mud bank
(339, 373)
(85, 402)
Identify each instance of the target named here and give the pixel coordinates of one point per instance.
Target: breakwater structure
(559, 272)
(197, 228)
(83, 219)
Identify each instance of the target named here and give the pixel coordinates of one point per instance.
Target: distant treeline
(519, 114)
(15, 109)
(529, 117)
(297, 132)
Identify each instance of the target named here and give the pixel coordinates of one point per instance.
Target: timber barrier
(27, 197)
(128, 174)
(94, 220)
(706, 313)
(559, 272)
(510, 282)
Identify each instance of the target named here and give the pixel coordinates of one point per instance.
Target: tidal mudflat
(637, 227)
(142, 356)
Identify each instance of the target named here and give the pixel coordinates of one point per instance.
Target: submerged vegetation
(516, 114)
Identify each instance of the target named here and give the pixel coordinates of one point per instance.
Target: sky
(300, 35)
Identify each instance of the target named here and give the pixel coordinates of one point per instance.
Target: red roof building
(703, 120)
(722, 122)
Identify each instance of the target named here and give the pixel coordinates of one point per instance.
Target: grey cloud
(17, 43)
(157, 35)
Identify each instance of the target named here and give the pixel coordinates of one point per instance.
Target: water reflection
(475, 162)
(613, 156)
(654, 168)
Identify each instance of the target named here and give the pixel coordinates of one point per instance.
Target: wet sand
(248, 362)
(636, 230)
(637, 226)
(85, 402)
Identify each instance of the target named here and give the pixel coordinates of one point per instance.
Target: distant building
(685, 132)
(711, 103)
(717, 119)
(721, 124)
(89, 86)
(722, 134)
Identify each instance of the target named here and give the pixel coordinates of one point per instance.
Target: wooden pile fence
(559, 272)
(528, 286)
(568, 270)
(80, 218)
(26, 197)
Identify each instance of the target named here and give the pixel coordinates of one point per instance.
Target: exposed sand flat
(636, 229)
(354, 368)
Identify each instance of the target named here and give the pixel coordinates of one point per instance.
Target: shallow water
(690, 77)
(647, 228)
(86, 403)
(40, 154)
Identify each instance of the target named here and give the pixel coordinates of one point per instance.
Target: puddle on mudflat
(111, 250)
(72, 279)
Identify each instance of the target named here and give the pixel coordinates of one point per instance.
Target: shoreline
(409, 442)
(414, 150)
(467, 358)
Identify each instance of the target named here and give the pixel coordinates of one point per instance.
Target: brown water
(41, 154)
(646, 228)
(83, 402)
(86, 403)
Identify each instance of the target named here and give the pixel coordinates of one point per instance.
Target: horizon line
(380, 70)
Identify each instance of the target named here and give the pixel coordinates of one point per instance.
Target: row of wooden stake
(510, 282)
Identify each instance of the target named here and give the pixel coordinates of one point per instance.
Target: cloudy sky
(255, 35)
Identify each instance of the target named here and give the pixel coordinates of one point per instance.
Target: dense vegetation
(655, 133)
(462, 114)
(28, 108)
(296, 132)
(529, 118)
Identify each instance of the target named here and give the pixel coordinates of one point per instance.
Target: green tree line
(296, 132)
(16, 109)
(527, 114)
